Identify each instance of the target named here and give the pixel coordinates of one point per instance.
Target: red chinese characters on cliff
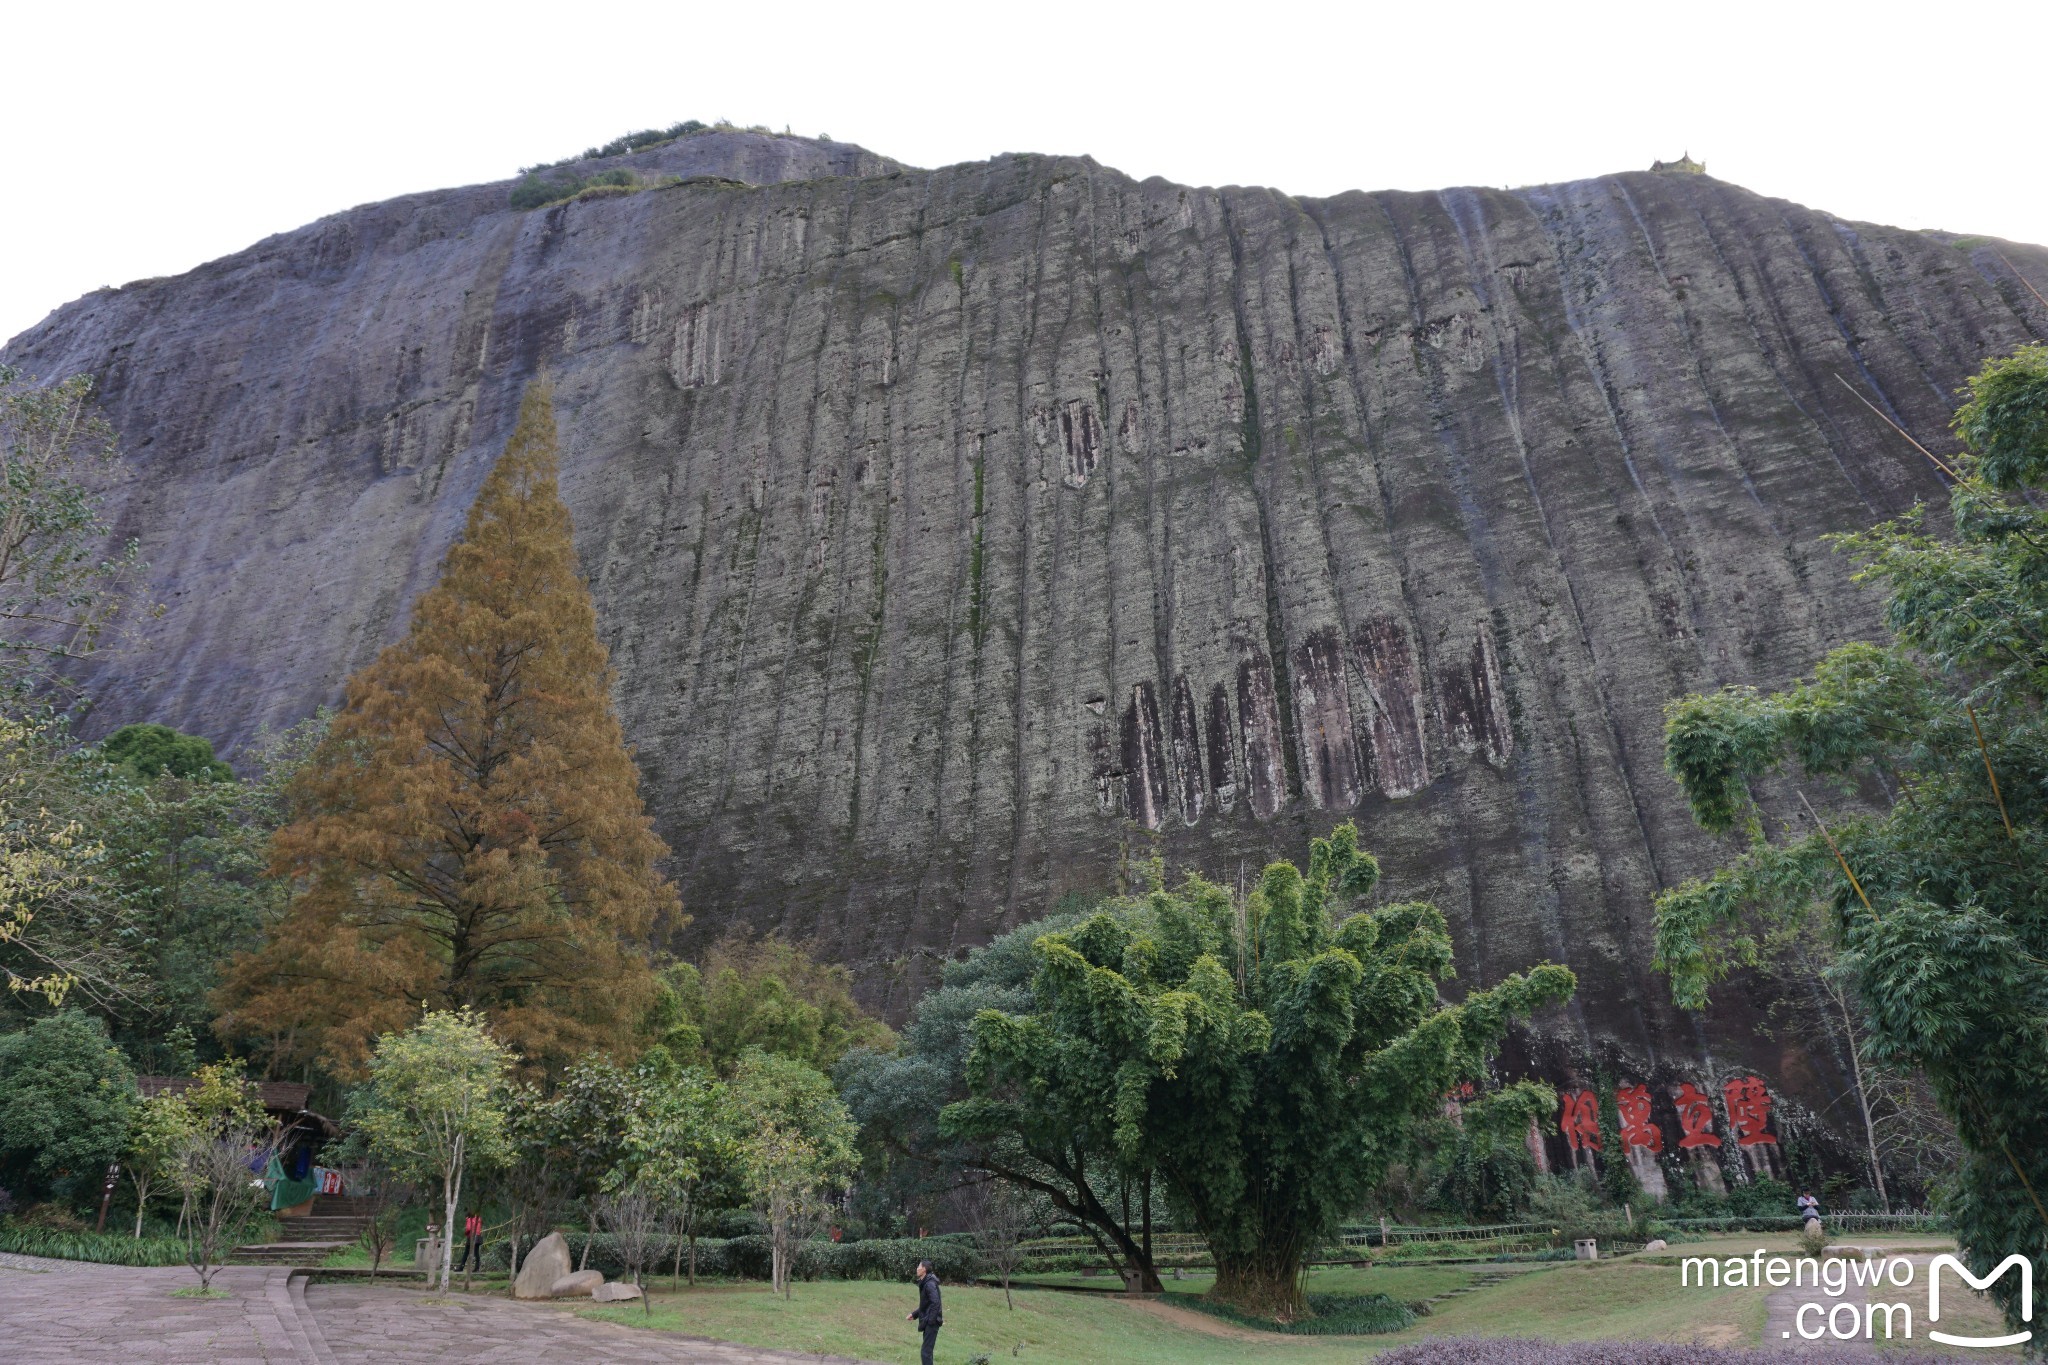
(1580, 1120)
(1749, 1109)
(1748, 1105)
(1633, 1101)
(1695, 1117)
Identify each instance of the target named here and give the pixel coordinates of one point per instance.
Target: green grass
(1629, 1298)
(1334, 1315)
(1596, 1300)
(193, 1291)
(865, 1320)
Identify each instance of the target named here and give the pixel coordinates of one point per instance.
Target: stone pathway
(60, 1311)
(1782, 1307)
(380, 1322)
(65, 1311)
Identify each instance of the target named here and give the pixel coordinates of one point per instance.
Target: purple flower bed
(1511, 1351)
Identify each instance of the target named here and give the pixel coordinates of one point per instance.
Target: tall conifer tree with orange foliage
(470, 833)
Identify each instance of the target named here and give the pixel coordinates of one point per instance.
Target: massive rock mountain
(959, 533)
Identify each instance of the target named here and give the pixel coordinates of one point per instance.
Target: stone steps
(288, 1253)
(1484, 1281)
(315, 1228)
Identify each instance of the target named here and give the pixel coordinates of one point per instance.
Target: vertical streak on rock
(1222, 749)
(1490, 702)
(1187, 752)
(1081, 440)
(1107, 774)
(1258, 715)
(1252, 446)
(1394, 692)
(1144, 759)
(1322, 701)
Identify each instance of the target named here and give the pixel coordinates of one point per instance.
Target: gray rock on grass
(576, 1283)
(545, 1264)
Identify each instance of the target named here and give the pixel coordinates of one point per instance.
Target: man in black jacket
(928, 1317)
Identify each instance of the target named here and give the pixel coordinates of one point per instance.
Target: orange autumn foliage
(470, 833)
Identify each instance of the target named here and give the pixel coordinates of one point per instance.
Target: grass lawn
(1561, 1301)
(1638, 1298)
(865, 1319)
(1580, 1301)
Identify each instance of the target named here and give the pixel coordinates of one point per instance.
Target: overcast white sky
(145, 139)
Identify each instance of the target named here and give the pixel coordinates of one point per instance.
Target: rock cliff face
(957, 531)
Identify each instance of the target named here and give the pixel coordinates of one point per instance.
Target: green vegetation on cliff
(1937, 901)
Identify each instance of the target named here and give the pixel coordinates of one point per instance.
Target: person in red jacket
(473, 1240)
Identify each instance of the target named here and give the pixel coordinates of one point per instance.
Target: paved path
(380, 1322)
(65, 1311)
(52, 1311)
(1780, 1321)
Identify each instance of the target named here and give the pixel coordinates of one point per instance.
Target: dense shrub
(105, 1248)
(147, 750)
(629, 142)
(65, 1093)
(735, 1223)
(534, 192)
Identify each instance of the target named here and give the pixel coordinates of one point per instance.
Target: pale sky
(145, 139)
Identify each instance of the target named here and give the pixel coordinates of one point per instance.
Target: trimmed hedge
(747, 1257)
(105, 1248)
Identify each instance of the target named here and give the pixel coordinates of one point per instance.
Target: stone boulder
(576, 1283)
(615, 1292)
(1655, 1244)
(546, 1263)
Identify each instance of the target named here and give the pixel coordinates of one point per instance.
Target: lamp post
(107, 1194)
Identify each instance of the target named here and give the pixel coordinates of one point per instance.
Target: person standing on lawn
(928, 1317)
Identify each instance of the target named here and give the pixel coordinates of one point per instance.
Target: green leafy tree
(534, 1179)
(1484, 1172)
(435, 1105)
(59, 585)
(56, 935)
(150, 750)
(594, 1109)
(799, 1140)
(130, 891)
(912, 1163)
(684, 1146)
(217, 1130)
(157, 1129)
(187, 859)
(1938, 899)
(66, 1096)
(1265, 1065)
(762, 993)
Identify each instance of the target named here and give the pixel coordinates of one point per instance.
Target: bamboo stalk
(1835, 848)
(1996, 795)
(1899, 429)
(2013, 1161)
